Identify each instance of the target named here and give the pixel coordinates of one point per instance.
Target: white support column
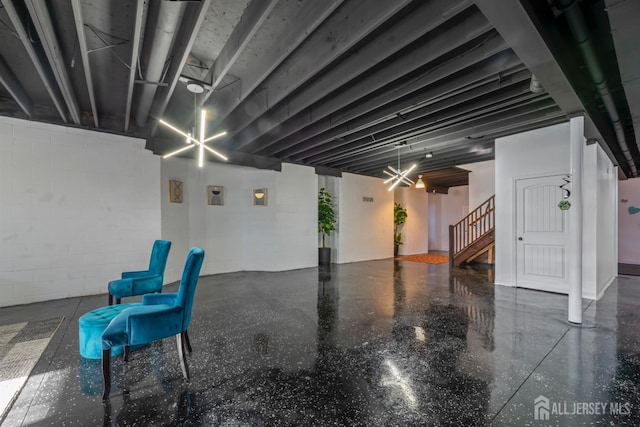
(575, 222)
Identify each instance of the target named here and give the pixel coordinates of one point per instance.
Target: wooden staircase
(473, 235)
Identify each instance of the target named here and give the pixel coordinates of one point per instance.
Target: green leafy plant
(326, 215)
(399, 218)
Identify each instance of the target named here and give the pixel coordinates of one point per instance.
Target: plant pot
(324, 256)
(396, 248)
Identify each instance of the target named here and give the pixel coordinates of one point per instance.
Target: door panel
(542, 234)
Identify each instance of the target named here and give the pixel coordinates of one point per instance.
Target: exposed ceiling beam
(82, 42)
(191, 22)
(418, 27)
(135, 48)
(252, 18)
(407, 158)
(9, 80)
(515, 26)
(623, 17)
(480, 66)
(450, 123)
(169, 16)
(310, 16)
(459, 148)
(39, 12)
(486, 97)
(482, 126)
(36, 59)
(331, 41)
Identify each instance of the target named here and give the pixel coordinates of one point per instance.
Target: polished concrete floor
(380, 343)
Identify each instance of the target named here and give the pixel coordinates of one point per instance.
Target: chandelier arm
(214, 152)
(218, 135)
(178, 151)
(175, 129)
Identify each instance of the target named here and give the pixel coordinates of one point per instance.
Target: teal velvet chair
(143, 282)
(159, 316)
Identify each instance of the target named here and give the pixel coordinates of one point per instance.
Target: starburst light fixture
(398, 175)
(190, 138)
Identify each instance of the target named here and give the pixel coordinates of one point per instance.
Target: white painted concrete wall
(482, 182)
(607, 230)
(415, 231)
(78, 208)
(545, 152)
(629, 221)
(239, 236)
(540, 152)
(445, 210)
(366, 228)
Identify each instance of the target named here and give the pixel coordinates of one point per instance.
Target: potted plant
(326, 224)
(399, 217)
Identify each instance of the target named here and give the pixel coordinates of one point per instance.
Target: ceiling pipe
(579, 30)
(167, 24)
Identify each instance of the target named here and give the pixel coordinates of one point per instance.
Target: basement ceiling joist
(335, 84)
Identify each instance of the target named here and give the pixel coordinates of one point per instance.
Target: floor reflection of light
(54, 381)
(420, 336)
(396, 380)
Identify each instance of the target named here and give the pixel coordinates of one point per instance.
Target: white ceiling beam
(9, 80)
(82, 42)
(135, 48)
(44, 26)
(40, 66)
(250, 21)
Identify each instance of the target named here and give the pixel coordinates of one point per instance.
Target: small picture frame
(176, 191)
(215, 195)
(259, 196)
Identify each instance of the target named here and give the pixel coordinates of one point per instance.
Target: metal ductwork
(167, 24)
(577, 25)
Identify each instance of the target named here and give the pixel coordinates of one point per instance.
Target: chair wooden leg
(106, 374)
(187, 342)
(182, 355)
(110, 299)
(126, 353)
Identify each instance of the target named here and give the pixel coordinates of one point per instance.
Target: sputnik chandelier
(398, 175)
(191, 140)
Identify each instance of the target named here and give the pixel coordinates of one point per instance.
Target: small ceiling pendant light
(429, 155)
(398, 175)
(420, 182)
(200, 142)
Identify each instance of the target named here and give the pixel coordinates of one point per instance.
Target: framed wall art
(259, 196)
(176, 191)
(215, 195)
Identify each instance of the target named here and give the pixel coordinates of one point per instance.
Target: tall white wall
(482, 182)
(606, 231)
(78, 208)
(415, 231)
(629, 221)
(366, 228)
(539, 152)
(239, 236)
(445, 210)
(545, 152)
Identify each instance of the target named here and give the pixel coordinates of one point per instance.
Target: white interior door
(542, 233)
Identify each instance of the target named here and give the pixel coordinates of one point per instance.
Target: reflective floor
(380, 343)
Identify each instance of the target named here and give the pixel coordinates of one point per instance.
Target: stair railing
(472, 227)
